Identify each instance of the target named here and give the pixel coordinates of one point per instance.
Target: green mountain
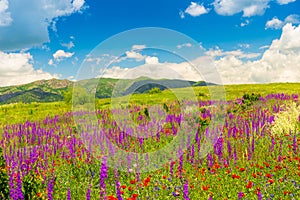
(54, 89)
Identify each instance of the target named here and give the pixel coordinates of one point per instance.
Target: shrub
(286, 121)
(154, 90)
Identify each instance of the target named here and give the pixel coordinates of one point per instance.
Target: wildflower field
(245, 148)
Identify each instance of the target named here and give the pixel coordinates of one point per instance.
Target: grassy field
(20, 112)
(208, 153)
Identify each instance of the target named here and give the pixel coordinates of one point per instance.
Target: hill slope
(54, 89)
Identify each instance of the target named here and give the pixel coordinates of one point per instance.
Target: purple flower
(69, 194)
(295, 144)
(240, 195)
(186, 191)
(50, 188)
(88, 194)
(259, 195)
(103, 176)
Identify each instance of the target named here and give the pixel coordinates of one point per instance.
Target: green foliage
(4, 186)
(201, 94)
(77, 96)
(154, 90)
(68, 96)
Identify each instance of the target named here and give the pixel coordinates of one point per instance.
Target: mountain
(38, 91)
(54, 89)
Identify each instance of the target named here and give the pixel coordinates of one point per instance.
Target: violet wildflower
(103, 176)
(241, 195)
(88, 193)
(295, 144)
(69, 194)
(259, 195)
(186, 191)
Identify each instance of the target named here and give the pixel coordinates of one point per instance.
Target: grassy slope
(15, 113)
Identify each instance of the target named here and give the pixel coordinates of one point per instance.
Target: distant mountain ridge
(54, 89)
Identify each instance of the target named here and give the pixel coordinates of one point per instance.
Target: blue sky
(247, 41)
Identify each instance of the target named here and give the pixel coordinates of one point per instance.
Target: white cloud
(5, 17)
(138, 47)
(245, 23)
(27, 31)
(282, 2)
(244, 45)
(134, 55)
(293, 19)
(195, 10)
(78, 4)
(275, 23)
(236, 53)
(61, 54)
(248, 7)
(151, 60)
(181, 14)
(184, 45)
(279, 63)
(264, 47)
(51, 62)
(17, 68)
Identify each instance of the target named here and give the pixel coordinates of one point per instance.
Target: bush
(286, 121)
(154, 90)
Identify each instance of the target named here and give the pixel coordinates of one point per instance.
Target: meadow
(246, 147)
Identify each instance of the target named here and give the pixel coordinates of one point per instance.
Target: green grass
(20, 112)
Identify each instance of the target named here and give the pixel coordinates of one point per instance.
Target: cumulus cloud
(236, 53)
(138, 47)
(282, 2)
(194, 10)
(279, 63)
(5, 17)
(248, 7)
(275, 23)
(61, 55)
(27, 31)
(17, 68)
(134, 55)
(151, 60)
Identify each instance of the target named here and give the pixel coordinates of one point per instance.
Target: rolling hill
(54, 89)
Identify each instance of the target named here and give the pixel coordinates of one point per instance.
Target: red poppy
(268, 175)
(254, 175)
(205, 187)
(242, 169)
(135, 195)
(132, 181)
(123, 186)
(249, 185)
(130, 188)
(235, 176)
(111, 197)
(271, 181)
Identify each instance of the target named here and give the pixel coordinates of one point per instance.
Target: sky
(222, 41)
